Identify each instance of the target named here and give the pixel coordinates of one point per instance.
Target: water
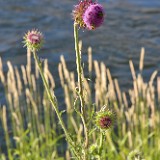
(129, 25)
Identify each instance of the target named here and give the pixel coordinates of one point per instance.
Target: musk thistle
(33, 40)
(88, 14)
(105, 119)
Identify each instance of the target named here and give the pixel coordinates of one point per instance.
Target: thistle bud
(105, 119)
(33, 40)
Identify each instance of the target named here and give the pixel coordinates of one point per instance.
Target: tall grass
(31, 130)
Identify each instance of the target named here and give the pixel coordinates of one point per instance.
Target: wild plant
(99, 122)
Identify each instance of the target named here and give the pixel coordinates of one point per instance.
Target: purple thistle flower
(105, 122)
(93, 16)
(33, 40)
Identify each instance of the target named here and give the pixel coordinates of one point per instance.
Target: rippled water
(129, 25)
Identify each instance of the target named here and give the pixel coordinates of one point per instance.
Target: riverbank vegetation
(31, 130)
(93, 120)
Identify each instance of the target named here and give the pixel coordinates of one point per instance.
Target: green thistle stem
(80, 86)
(54, 104)
(102, 137)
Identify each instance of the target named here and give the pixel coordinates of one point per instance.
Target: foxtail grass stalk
(52, 99)
(7, 138)
(80, 86)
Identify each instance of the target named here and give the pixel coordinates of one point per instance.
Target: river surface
(129, 25)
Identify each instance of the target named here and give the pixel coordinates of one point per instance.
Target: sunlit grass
(31, 130)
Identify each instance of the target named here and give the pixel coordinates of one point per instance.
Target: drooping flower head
(33, 40)
(88, 14)
(105, 119)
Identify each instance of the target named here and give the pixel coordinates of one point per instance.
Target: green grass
(31, 129)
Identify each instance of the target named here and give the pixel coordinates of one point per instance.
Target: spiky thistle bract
(33, 40)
